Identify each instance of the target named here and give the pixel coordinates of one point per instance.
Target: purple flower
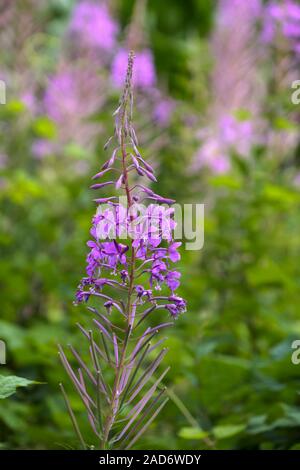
(283, 18)
(142, 292)
(118, 282)
(211, 154)
(172, 280)
(108, 305)
(82, 296)
(163, 111)
(139, 291)
(177, 306)
(65, 93)
(144, 75)
(29, 100)
(220, 164)
(173, 253)
(94, 25)
(179, 302)
(42, 148)
(61, 97)
(296, 180)
(124, 275)
(3, 160)
(175, 309)
(71, 98)
(236, 59)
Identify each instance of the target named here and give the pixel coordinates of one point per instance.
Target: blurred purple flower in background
(227, 9)
(73, 94)
(296, 180)
(163, 111)
(29, 99)
(75, 84)
(94, 24)
(61, 96)
(281, 36)
(42, 148)
(237, 134)
(210, 155)
(144, 75)
(282, 17)
(234, 116)
(3, 161)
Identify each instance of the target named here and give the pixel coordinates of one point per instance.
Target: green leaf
(15, 107)
(266, 272)
(281, 123)
(227, 430)
(44, 127)
(295, 447)
(280, 194)
(227, 181)
(10, 383)
(75, 151)
(192, 433)
(242, 114)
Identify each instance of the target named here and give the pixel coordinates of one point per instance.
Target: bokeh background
(214, 115)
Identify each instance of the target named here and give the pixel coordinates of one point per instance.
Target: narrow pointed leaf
(91, 416)
(135, 412)
(87, 336)
(134, 374)
(72, 416)
(147, 374)
(145, 427)
(144, 415)
(104, 331)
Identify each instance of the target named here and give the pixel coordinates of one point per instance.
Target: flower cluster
(79, 87)
(163, 111)
(149, 229)
(94, 25)
(66, 91)
(229, 134)
(132, 253)
(234, 45)
(68, 88)
(283, 18)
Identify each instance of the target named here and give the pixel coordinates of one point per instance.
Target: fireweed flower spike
(128, 281)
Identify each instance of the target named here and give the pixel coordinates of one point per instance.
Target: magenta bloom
(61, 97)
(229, 8)
(212, 155)
(29, 100)
(71, 96)
(163, 111)
(227, 136)
(3, 160)
(144, 75)
(123, 273)
(42, 148)
(94, 25)
(150, 229)
(283, 18)
(236, 86)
